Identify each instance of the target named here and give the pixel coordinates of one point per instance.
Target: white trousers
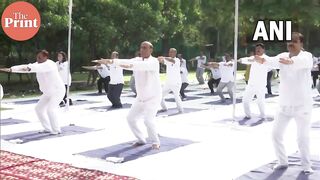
(148, 111)
(248, 96)
(175, 88)
(302, 116)
(47, 111)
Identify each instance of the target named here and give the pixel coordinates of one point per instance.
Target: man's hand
(161, 59)
(103, 61)
(285, 61)
(128, 66)
(5, 69)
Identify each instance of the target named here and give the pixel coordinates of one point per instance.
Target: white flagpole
(236, 16)
(69, 52)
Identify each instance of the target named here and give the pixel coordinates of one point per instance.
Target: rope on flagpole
(69, 55)
(236, 16)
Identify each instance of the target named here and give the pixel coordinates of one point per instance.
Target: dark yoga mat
(82, 102)
(28, 136)
(94, 94)
(31, 101)
(188, 98)
(209, 94)
(218, 102)
(75, 102)
(108, 108)
(129, 153)
(254, 121)
(175, 111)
(294, 171)
(11, 121)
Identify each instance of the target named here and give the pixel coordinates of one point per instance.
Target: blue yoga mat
(218, 102)
(254, 121)
(108, 108)
(209, 94)
(94, 94)
(294, 171)
(31, 101)
(28, 136)
(175, 111)
(188, 98)
(11, 121)
(129, 153)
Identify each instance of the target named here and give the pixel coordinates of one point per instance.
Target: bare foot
(155, 146)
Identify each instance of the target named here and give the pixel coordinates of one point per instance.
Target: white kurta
(52, 87)
(148, 86)
(104, 71)
(116, 75)
(215, 72)
(173, 83)
(184, 71)
(295, 99)
(64, 72)
(256, 85)
(200, 61)
(226, 72)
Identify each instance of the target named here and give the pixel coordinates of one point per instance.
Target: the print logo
(20, 21)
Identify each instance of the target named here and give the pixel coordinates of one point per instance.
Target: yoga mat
(11, 121)
(188, 98)
(175, 111)
(254, 121)
(209, 94)
(94, 94)
(24, 137)
(218, 102)
(108, 108)
(24, 102)
(293, 172)
(129, 153)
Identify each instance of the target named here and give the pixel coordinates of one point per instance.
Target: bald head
(172, 52)
(146, 49)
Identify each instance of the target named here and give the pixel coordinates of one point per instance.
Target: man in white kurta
(202, 59)
(63, 68)
(116, 83)
(52, 88)
(173, 81)
(257, 82)
(295, 99)
(227, 76)
(147, 79)
(184, 76)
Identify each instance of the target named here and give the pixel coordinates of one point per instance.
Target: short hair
(299, 35)
(173, 49)
(64, 56)
(44, 53)
(261, 45)
(116, 53)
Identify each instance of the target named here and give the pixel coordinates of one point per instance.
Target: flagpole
(236, 16)
(69, 54)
